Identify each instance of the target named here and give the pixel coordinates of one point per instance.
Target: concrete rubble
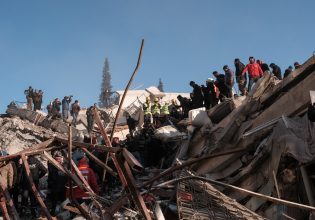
(247, 158)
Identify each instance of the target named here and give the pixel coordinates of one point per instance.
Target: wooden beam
(28, 150)
(6, 195)
(131, 183)
(99, 162)
(34, 189)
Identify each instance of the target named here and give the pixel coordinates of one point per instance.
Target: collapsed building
(250, 157)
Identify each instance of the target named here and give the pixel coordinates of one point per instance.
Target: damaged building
(250, 157)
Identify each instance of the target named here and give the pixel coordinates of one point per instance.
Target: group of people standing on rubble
(34, 98)
(53, 109)
(222, 86)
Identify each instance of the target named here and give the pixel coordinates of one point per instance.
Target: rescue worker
(56, 181)
(56, 108)
(254, 72)
(90, 119)
(197, 97)
(29, 94)
(229, 80)
(276, 71)
(156, 111)
(66, 107)
(79, 194)
(240, 79)
(37, 99)
(75, 109)
(147, 111)
(165, 112)
(206, 96)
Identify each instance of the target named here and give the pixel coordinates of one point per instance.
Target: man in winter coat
(56, 181)
(66, 107)
(254, 71)
(276, 71)
(229, 80)
(75, 109)
(197, 98)
(240, 79)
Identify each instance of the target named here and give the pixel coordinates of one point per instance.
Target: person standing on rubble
(214, 92)
(220, 83)
(49, 109)
(254, 72)
(229, 80)
(79, 194)
(156, 111)
(287, 71)
(197, 97)
(185, 104)
(297, 65)
(75, 109)
(276, 71)
(132, 124)
(173, 109)
(56, 108)
(206, 96)
(66, 107)
(240, 79)
(264, 66)
(90, 119)
(29, 94)
(147, 111)
(37, 97)
(56, 181)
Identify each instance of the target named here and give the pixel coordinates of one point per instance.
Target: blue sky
(60, 46)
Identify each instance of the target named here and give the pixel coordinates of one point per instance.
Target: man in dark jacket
(276, 71)
(240, 79)
(75, 109)
(229, 80)
(56, 108)
(220, 83)
(66, 107)
(197, 98)
(287, 71)
(56, 181)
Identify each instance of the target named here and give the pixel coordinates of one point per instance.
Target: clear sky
(60, 46)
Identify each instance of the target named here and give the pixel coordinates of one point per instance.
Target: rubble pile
(250, 157)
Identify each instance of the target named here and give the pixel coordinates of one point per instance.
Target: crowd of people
(34, 100)
(222, 87)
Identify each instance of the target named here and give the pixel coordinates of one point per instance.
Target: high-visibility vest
(156, 108)
(147, 108)
(165, 109)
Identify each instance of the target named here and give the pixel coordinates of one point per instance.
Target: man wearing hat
(229, 80)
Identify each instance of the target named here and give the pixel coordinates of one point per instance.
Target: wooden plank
(99, 162)
(28, 150)
(131, 183)
(33, 187)
(132, 161)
